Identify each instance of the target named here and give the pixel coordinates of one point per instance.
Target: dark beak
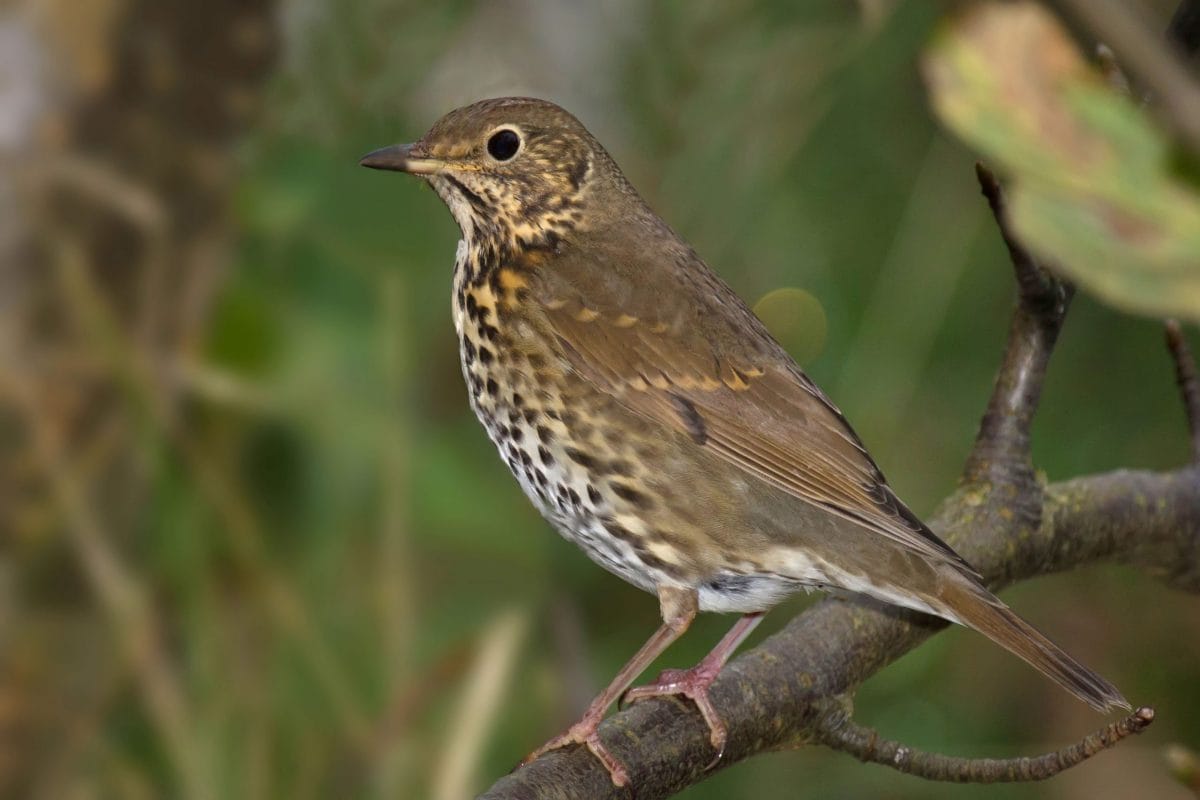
(401, 158)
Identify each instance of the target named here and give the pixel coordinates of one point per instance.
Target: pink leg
(679, 609)
(694, 682)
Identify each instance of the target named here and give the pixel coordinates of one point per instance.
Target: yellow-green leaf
(1092, 187)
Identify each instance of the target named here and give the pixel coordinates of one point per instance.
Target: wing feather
(712, 372)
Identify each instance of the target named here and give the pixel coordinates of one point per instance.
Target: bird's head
(516, 167)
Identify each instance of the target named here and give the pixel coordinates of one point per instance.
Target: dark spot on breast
(620, 466)
(543, 434)
(468, 352)
(492, 387)
(488, 332)
(631, 495)
(581, 458)
(574, 495)
(619, 531)
(654, 562)
(650, 560)
(517, 400)
(593, 494)
(516, 433)
(485, 355)
(545, 456)
(530, 415)
(472, 307)
(693, 423)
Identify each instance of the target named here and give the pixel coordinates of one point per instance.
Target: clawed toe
(693, 684)
(589, 737)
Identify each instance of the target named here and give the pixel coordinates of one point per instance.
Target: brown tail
(977, 608)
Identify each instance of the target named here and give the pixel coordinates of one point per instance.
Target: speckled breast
(534, 412)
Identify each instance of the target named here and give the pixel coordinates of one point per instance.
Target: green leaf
(1092, 183)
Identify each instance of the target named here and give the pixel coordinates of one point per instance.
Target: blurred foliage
(309, 575)
(1095, 184)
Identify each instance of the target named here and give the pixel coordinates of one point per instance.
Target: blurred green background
(252, 542)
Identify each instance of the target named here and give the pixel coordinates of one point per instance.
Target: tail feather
(975, 607)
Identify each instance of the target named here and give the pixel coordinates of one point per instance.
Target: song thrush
(653, 420)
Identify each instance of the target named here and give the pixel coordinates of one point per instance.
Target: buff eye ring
(504, 144)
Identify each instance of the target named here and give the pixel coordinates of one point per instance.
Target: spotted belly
(537, 437)
(532, 442)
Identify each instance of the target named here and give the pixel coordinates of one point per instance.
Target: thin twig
(1037, 289)
(1189, 385)
(839, 732)
(1001, 454)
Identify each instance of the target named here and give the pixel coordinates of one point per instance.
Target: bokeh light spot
(797, 319)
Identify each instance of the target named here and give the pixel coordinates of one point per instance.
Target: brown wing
(683, 350)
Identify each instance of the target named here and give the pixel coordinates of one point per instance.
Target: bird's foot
(692, 683)
(585, 732)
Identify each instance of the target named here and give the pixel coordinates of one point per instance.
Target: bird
(653, 420)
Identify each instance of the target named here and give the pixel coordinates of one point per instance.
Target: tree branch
(839, 731)
(1001, 454)
(774, 695)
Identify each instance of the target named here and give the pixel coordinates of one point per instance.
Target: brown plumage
(652, 418)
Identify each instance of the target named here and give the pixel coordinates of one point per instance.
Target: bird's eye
(503, 144)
